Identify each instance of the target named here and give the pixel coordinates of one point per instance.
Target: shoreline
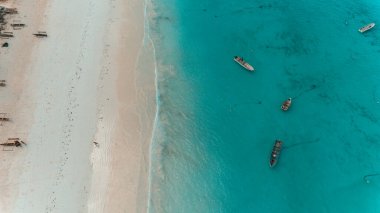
(129, 144)
(86, 87)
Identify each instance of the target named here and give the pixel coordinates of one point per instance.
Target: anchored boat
(275, 153)
(285, 106)
(366, 27)
(243, 63)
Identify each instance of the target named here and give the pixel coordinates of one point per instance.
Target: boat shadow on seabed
(300, 144)
(366, 178)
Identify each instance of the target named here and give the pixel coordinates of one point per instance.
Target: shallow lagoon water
(217, 122)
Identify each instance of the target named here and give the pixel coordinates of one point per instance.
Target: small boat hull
(367, 27)
(275, 153)
(244, 64)
(285, 106)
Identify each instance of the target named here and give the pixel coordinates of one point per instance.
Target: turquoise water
(217, 122)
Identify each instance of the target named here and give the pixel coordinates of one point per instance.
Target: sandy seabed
(83, 100)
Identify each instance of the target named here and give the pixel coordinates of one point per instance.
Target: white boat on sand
(244, 64)
(366, 27)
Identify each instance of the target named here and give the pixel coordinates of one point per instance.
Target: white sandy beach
(83, 99)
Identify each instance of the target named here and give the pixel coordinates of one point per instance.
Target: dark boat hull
(275, 153)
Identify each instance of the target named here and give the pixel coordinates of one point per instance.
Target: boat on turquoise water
(285, 106)
(243, 63)
(366, 27)
(275, 153)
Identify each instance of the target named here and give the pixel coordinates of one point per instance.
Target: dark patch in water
(366, 178)
(362, 111)
(294, 44)
(161, 18)
(297, 82)
(376, 95)
(265, 6)
(371, 139)
(301, 144)
(234, 106)
(312, 87)
(242, 10)
(375, 41)
(324, 96)
(252, 9)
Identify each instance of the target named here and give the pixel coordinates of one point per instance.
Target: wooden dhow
(285, 106)
(275, 153)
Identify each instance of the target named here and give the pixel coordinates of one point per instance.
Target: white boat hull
(245, 65)
(367, 27)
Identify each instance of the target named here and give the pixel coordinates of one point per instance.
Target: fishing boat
(40, 34)
(275, 153)
(6, 35)
(366, 27)
(243, 63)
(285, 106)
